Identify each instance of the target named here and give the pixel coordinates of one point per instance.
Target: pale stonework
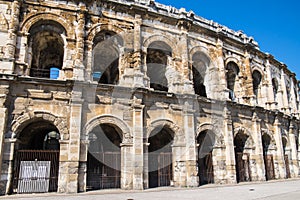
(75, 103)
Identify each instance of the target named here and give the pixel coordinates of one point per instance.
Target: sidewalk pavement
(271, 190)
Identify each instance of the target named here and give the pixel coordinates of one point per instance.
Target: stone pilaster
(185, 66)
(279, 163)
(229, 143)
(293, 102)
(294, 166)
(78, 72)
(89, 60)
(70, 149)
(82, 171)
(8, 158)
(249, 97)
(138, 141)
(7, 65)
(23, 63)
(222, 92)
(3, 120)
(192, 180)
(270, 104)
(134, 69)
(127, 160)
(285, 102)
(179, 164)
(259, 156)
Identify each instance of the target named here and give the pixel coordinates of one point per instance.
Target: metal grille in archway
(287, 166)
(162, 176)
(205, 169)
(242, 167)
(46, 172)
(103, 170)
(269, 167)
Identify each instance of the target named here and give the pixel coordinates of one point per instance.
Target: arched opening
(288, 91)
(46, 49)
(160, 157)
(286, 157)
(106, 57)
(275, 88)
(205, 143)
(157, 61)
(37, 158)
(256, 78)
(268, 158)
(242, 158)
(232, 72)
(104, 158)
(200, 65)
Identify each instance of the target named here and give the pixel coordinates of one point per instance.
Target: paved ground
(273, 190)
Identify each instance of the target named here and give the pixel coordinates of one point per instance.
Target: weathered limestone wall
(75, 103)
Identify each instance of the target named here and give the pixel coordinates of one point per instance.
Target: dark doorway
(39, 142)
(205, 140)
(242, 159)
(160, 158)
(268, 158)
(104, 158)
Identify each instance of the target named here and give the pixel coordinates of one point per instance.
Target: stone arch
(101, 27)
(30, 21)
(158, 38)
(200, 65)
(111, 120)
(203, 70)
(234, 60)
(249, 141)
(269, 134)
(159, 62)
(109, 69)
(196, 49)
(258, 68)
(59, 122)
(285, 142)
(178, 132)
(106, 51)
(219, 138)
(232, 74)
(46, 48)
(257, 81)
(275, 85)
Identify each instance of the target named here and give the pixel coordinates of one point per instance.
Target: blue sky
(275, 25)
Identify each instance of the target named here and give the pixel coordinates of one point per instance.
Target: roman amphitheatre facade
(134, 94)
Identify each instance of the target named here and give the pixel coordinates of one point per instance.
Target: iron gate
(205, 169)
(242, 167)
(103, 170)
(36, 171)
(287, 166)
(269, 166)
(162, 163)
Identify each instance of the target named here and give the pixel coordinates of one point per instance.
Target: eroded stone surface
(138, 68)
